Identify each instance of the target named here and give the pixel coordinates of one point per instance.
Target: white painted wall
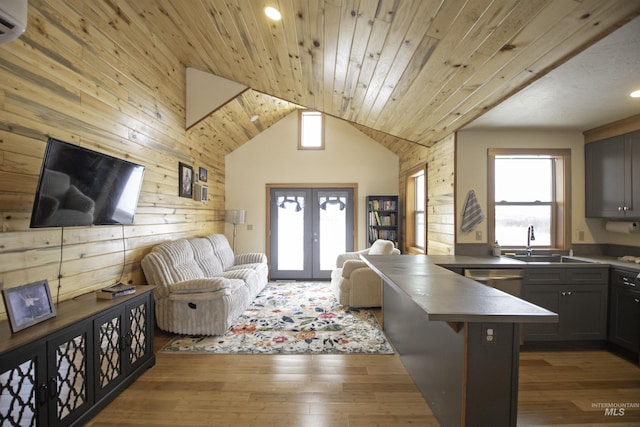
(273, 157)
(471, 170)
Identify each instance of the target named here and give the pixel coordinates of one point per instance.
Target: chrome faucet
(530, 237)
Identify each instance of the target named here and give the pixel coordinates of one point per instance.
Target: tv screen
(81, 187)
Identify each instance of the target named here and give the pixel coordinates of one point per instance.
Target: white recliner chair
(354, 283)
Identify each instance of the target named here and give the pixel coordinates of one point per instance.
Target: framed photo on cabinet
(28, 304)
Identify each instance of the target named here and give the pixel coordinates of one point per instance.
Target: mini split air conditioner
(13, 19)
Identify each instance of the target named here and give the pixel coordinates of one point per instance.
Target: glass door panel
(290, 230)
(332, 235)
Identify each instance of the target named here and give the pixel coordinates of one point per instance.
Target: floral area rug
(293, 318)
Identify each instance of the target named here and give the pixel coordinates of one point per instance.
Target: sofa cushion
(350, 265)
(202, 285)
(381, 247)
(222, 250)
(205, 257)
(249, 276)
(176, 263)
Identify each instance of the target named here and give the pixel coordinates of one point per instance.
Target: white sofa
(354, 283)
(202, 287)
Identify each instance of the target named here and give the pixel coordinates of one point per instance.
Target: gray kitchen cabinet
(624, 310)
(612, 177)
(579, 296)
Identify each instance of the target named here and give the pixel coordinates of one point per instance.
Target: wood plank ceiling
(413, 70)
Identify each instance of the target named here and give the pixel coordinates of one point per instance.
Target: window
(311, 130)
(415, 228)
(418, 212)
(529, 187)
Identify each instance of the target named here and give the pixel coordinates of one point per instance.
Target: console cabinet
(624, 310)
(64, 370)
(579, 296)
(612, 171)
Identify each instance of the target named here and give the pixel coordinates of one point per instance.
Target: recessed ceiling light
(272, 13)
(635, 94)
(254, 118)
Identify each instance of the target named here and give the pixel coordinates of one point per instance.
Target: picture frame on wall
(185, 181)
(203, 174)
(28, 304)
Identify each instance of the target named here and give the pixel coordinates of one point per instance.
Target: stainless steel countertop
(447, 296)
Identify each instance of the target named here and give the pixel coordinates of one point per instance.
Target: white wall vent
(13, 19)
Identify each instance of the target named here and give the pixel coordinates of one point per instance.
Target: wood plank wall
(81, 75)
(440, 159)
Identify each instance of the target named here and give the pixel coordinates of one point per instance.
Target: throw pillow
(381, 247)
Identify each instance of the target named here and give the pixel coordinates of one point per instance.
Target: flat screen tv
(81, 187)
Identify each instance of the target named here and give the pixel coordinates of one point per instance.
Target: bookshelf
(382, 219)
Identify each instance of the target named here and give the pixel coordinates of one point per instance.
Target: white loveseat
(354, 283)
(202, 287)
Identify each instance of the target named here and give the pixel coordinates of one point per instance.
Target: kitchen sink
(544, 258)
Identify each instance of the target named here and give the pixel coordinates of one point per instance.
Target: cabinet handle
(569, 293)
(53, 390)
(636, 300)
(42, 393)
(619, 208)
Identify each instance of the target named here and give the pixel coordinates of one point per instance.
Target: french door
(309, 227)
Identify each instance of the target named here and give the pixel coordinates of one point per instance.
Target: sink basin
(543, 258)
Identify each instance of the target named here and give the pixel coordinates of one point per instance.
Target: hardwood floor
(556, 389)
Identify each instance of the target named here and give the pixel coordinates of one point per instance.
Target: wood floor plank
(557, 388)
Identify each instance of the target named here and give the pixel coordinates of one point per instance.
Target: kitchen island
(458, 339)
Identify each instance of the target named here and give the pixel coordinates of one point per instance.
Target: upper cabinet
(613, 177)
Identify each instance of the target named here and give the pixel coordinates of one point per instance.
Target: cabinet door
(583, 312)
(624, 314)
(546, 296)
(23, 394)
(633, 151)
(69, 374)
(108, 350)
(605, 177)
(139, 335)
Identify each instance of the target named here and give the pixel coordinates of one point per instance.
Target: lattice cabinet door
(22, 400)
(138, 332)
(109, 350)
(69, 380)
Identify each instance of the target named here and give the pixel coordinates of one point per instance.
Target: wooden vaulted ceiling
(400, 70)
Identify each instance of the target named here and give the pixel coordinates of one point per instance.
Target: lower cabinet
(123, 342)
(61, 373)
(624, 310)
(579, 296)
